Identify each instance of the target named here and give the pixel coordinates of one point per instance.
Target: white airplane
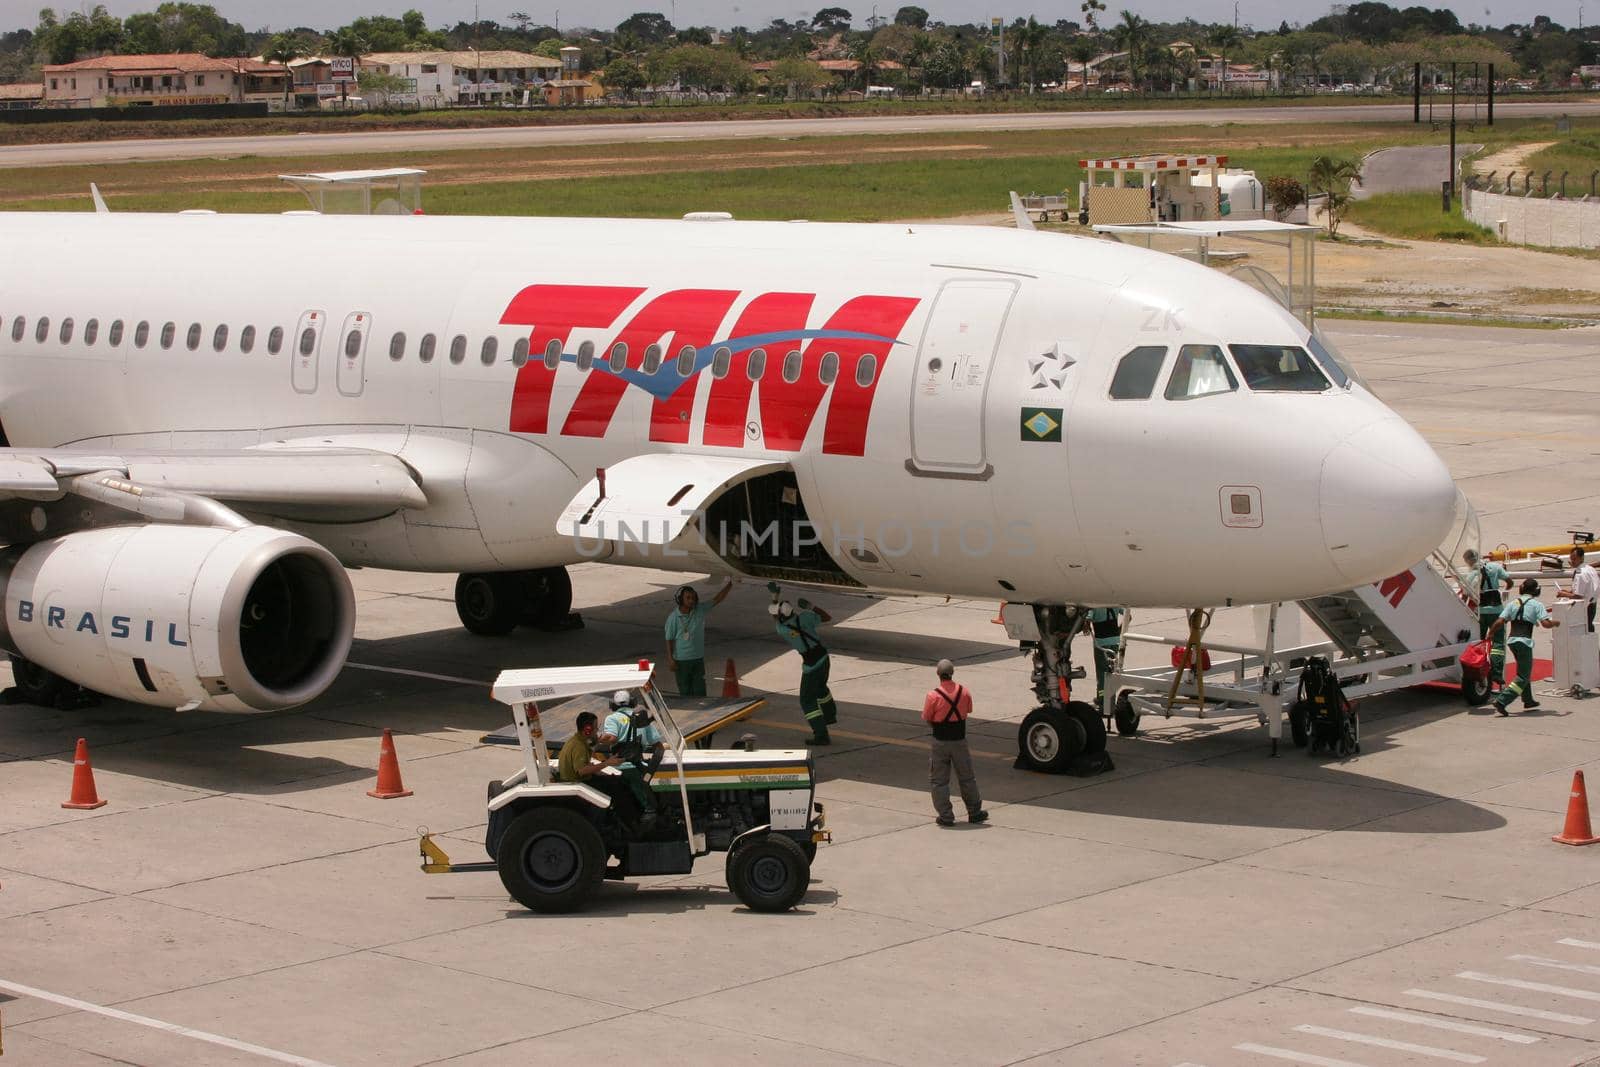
(210, 417)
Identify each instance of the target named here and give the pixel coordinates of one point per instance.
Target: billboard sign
(342, 69)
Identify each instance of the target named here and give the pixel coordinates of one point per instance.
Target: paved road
(1400, 170)
(387, 141)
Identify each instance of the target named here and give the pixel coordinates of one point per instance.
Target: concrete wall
(1534, 220)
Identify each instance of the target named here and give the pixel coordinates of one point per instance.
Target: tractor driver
(578, 763)
(619, 728)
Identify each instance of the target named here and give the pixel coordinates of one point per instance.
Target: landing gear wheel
(1127, 718)
(1299, 728)
(1049, 738)
(551, 859)
(1094, 727)
(1475, 691)
(547, 596)
(489, 604)
(769, 874)
(35, 684)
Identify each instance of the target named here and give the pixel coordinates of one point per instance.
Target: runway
(533, 137)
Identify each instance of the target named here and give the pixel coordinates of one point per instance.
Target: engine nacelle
(251, 619)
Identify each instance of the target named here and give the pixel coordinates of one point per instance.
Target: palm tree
(1083, 49)
(1331, 177)
(348, 44)
(1131, 34)
(1090, 8)
(283, 48)
(917, 56)
(1224, 38)
(1030, 38)
(867, 56)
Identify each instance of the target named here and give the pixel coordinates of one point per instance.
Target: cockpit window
(1331, 362)
(1200, 370)
(1136, 374)
(1278, 369)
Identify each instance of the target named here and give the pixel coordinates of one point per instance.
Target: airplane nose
(1386, 501)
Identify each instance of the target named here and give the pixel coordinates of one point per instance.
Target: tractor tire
(1126, 717)
(1475, 691)
(1049, 739)
(489, 605)
(546, 596)
(551, 859)
(1094, 727)
(769, 874)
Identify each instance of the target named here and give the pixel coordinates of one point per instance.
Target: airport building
(173, 79)
(444, 79)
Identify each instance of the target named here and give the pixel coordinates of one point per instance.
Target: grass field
(1578, 154)
(1417, 217)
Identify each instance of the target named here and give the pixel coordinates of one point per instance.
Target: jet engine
(243, 619)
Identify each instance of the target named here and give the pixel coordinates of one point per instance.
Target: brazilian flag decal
(1041, 424)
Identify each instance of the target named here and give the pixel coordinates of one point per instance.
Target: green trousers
(1523, 686)
(691, 674)
(1104, 657)
(1497, 648)
(816, 701)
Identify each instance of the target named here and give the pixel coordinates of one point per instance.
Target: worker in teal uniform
(1106, 625)
(1521, 617)
(619, 728)
(1489, 585)
(686, 638)
(799, 629)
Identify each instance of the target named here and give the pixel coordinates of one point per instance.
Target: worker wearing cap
(799, 629)
(1585, 583)
(578, 763)
(686, 638)
(1106, 625)
(1521, 616)
(1491, 579)
(945, 709)
(619, 728)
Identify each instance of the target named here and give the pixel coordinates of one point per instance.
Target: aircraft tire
(1127, 718)
(1049, 739)
(551, 859)
(1094, 727)
(769, 874)
(489, 604)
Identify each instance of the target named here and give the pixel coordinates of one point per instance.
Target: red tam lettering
(845, 433)
(554, 311)
(728, 405)
(1395, 589)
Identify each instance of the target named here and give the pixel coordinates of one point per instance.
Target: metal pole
(1416, 92)
(1491, 94)
(1450, 185)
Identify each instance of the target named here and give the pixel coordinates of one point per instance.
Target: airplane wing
(307, 482)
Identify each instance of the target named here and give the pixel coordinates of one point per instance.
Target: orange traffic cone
(389, 784)
(1577, 831)
(83, 795)
(999, 614)
(730, 681)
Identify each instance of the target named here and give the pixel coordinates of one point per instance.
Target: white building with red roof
(178, 78)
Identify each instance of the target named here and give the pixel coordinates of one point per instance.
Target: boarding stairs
(1412, 611)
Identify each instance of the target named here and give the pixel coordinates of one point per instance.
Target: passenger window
(1200, 370)
(66, 330)
(552, 355)
(686, 357)
(756, 365)
(1278, 369)
(652, 359)
(829, 370)
(721, 360)
(458, 348)
(247, 339)
(352, 344)
(169, 330)
(585, 356)
(19, 327)
(275, 340)
(519, 352)
(141, 335)
(425, 347)
(1330, 362)
(219, 338)
(489, 350)
(114, 335)
(866, 369)
(1136, 374)
(193, 338)
(308, 340)
(91, 331)
(397, 346)
(791, 366)
(41, 330)
(619, 358)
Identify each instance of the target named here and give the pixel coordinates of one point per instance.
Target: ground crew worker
(799, 629)
(1106, 624)
(1491, 579)
(577, 763)
(1585, 583)
(1521, 616)
(686, 638)
(945, 709)
(619, 728)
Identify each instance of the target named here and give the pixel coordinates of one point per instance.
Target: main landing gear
(497, 602)
(1060, 735)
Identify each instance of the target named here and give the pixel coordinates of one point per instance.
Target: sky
(1261, 14)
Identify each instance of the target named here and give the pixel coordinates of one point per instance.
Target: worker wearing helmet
(1487, 590)
(1520, 617)
(620, 728)
(799, 629)
(686, 638)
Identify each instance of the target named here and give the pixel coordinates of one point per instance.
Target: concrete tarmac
(240, 900)
(532, 137)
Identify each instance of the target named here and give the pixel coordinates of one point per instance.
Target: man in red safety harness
(946, 708)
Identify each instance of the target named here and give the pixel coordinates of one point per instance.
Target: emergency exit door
(305, 351)
(958, 351)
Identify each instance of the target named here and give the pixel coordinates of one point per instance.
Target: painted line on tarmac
(1384, 1042)
(417, 674)
(1532, 987)
(1294, 1057)
(875, 738)
(1575, 943)
(157, 1024)
(1495, 1005)
(1556, 965)
(1446, 1024)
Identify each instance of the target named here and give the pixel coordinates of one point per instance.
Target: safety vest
(1521, 627)
(1488, 592)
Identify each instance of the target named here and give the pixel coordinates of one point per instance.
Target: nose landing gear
(1060, 735)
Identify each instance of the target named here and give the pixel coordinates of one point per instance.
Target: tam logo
(774, 323)
(121, 627)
